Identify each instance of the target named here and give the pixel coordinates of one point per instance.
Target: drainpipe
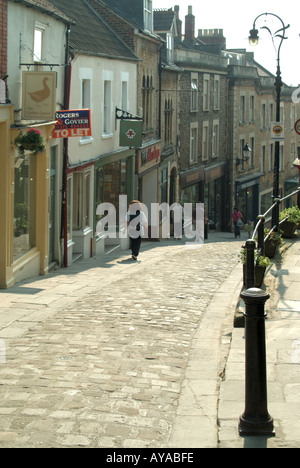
(160, 91)
(64, 210)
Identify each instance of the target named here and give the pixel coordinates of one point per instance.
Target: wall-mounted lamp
(246, 155)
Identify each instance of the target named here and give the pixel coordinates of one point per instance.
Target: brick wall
(3, 38)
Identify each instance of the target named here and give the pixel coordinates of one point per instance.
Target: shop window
(24, 205)
(164, 185)
(81, 200)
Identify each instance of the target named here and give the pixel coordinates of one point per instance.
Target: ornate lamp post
(254, 39)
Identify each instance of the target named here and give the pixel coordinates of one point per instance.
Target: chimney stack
(190, 25)
(178, 22)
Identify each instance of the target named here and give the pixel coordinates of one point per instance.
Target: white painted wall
(98, 70)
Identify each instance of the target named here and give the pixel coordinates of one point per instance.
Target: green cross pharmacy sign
(131, 133)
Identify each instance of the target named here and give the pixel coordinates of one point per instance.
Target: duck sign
(39, 95)
(72, 123)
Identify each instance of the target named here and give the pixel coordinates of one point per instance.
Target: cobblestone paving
(106, 371)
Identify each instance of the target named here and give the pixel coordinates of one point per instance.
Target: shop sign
(277, 131)
(39, 95)
(149, 157)
(131, 133)
(73, 123)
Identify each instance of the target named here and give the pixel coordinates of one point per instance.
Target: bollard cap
(255, 296)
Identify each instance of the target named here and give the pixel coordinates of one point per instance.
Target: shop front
(24, 194)
(148, 170)
(191, 186)
(214, 196)
(114, 176)
(247, 196)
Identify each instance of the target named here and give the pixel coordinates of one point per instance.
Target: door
(52, 205)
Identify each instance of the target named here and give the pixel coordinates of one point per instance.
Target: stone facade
(252, 109)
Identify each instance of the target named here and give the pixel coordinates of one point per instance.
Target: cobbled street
(105, 368)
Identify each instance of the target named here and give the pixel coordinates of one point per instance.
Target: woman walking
(136, 222)
(237, 219)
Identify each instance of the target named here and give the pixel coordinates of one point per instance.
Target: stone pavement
(116, 354)
(119, 354)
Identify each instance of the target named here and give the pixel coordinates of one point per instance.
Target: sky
(236, 18)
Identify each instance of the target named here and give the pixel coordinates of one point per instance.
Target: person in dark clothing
(136, 222)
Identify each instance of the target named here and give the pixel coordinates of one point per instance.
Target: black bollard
(250, 264)
(256, 419)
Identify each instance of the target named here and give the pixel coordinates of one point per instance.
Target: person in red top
(238, 220)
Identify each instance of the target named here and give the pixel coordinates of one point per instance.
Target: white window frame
(252, 108)
(82, 202)
(242, 109)
(205, 141)
(107, 104)
(217, 92)
(263, 116)
(206, 92)
(216, 139)
(39, 46)
(86, 93)
(194, 92)
(148, 15)
(194, 137)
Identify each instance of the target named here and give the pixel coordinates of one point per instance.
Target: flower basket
(30, 141)
(272, 243)
(288, 229)
(292, 219)
(259, 275)
(261, 264)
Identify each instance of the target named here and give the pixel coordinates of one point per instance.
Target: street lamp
(254, 40)
(246, 155)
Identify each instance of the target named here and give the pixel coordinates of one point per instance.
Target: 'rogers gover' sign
(75, 123)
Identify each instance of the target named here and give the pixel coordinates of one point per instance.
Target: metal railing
(256, 419)
(259, 232)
